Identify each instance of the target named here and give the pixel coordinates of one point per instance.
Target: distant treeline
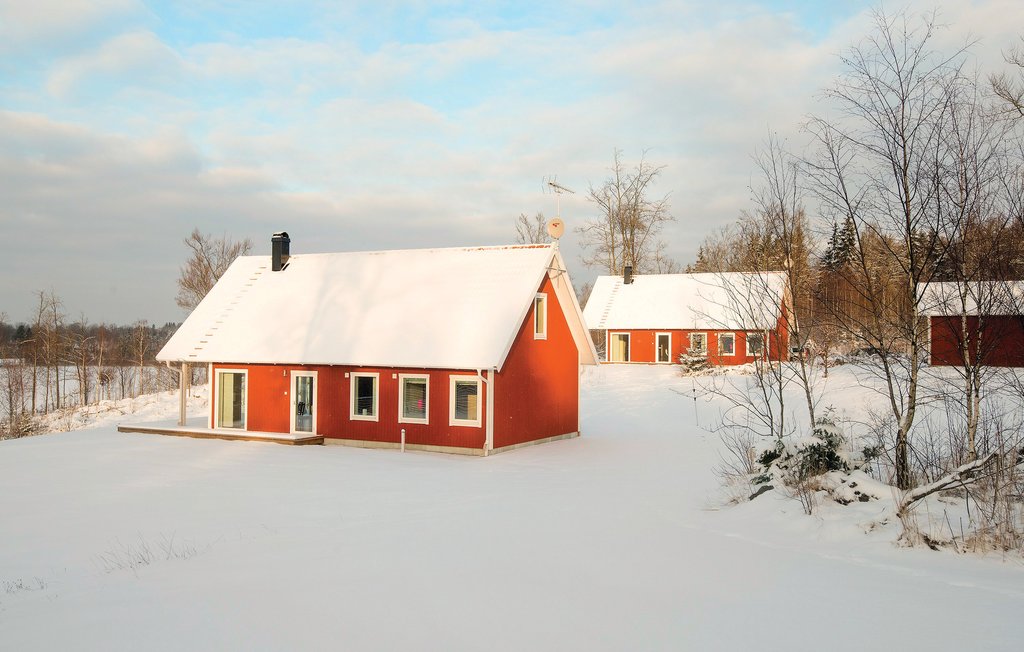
(54, 363)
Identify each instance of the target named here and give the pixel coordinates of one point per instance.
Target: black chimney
(279, 246)
(627, 275)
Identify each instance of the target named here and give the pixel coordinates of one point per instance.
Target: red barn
(729, 318)
(982, 320)
(469, 350)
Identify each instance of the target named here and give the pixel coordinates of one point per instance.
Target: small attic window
(540, 317)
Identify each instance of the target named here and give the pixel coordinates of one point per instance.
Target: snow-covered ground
(613, 541)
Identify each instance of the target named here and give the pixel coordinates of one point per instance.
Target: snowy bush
(693, 363)
(799, 464)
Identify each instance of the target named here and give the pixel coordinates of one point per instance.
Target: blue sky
(379, 125)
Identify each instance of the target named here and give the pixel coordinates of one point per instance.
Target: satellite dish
(556, 227)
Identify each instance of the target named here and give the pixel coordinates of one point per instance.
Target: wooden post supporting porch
(184, 384)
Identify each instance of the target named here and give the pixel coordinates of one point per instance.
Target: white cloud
(135, 59)
(45, 22)
(399, 144)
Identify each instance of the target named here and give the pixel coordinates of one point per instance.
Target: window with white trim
(413, 398)
(699, 343)
(540, 316)
(618, 347)
(755, 344)
(363, 396)
(464, 404)
(726, 344)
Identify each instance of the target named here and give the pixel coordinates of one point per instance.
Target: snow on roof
(985, 297)
(733, 300)
(458, 308)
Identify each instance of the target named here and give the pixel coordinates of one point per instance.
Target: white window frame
(401, 398)
(690, 348)
(216, 398)
(540, 302)
(724, 335)
(352, 396)
(764, 344)
(656, 336)
(291, 395)
(629, 345)
(452, 421)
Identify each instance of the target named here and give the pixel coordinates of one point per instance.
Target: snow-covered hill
(617, 540)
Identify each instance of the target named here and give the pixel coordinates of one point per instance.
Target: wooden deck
(207, 433)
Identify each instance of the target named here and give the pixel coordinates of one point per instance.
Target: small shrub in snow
(24, 425)
(693, 363)
(799, 463)
(133, 556)
(20, 585)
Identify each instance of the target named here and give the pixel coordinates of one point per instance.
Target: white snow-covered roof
(458, 308)
(985, 297)
(731, 301)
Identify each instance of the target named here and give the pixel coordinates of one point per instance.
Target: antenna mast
(558, 189)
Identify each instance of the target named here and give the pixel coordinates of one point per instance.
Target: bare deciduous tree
(210, 258)
(1007, 88)
(626, 229)
(532, 230)
(877, 167)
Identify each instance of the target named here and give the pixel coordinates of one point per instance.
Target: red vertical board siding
(643, 345)
(1001, 340)
(537, 389)
(269, 405)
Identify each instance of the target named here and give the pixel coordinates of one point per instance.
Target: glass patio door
(303, 402)
(231, 394)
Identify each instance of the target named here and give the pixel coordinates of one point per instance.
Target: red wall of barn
(1002, 340)
(269, 405)
(537, 389)
(643, 345)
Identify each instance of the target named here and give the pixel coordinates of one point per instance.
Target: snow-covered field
(613, 541)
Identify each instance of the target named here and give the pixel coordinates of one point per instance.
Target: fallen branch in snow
(962, 476)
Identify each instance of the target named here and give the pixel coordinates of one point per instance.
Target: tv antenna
(557, 188)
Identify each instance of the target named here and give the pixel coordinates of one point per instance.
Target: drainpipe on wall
(489, 422)
(184, 381)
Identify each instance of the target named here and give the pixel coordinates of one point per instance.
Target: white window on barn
(663, 345)
(413, 398)
(231, 398)
(464, 408)
(699, 343)
(540, 317)
(364, 396)
(618, 347)
(726, 344)
(755, 344)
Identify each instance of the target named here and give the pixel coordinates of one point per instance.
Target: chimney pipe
(627, 275)
(279, 251)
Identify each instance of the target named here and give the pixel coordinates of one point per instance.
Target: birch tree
(875, 165)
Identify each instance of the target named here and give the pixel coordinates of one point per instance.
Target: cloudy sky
(378, 125)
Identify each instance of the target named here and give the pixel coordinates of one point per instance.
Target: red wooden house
(468, 350)
(981, 323)
(729, 318)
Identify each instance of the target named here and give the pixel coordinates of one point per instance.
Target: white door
(303, 403)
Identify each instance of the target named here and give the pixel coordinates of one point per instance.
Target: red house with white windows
(729, 318)
(468, 350)
(980, 323)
